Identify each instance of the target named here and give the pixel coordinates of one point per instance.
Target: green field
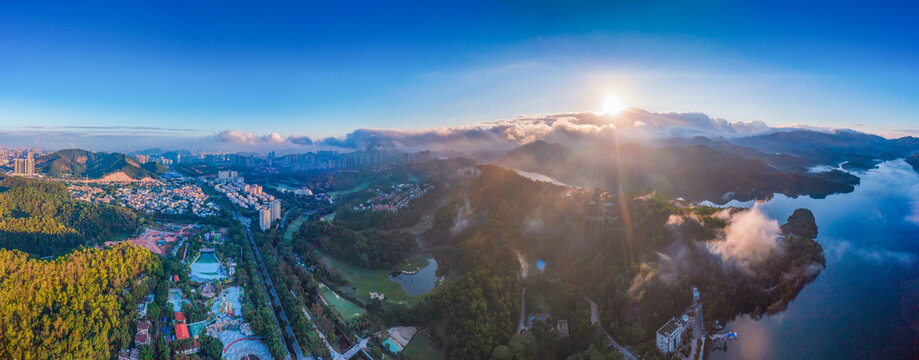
(347, 309)
(360, 187)
(294, 226)
(363, 281)
(421, 348)
(415, 263)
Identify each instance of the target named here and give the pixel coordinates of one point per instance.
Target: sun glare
(613, 105)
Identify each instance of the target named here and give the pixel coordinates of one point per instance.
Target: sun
(613, 105)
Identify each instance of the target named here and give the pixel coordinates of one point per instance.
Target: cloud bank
(750, 237)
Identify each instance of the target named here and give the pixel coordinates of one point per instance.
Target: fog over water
(852, 310)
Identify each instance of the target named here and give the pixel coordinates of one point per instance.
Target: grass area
(360, 187)
(293, 227)
(421, 348)
(415, 263)
(363, 281)
(347, 309)
(329, 217)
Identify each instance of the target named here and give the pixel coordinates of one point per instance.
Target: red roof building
(175, 278)
(181, 331)
(180, 316)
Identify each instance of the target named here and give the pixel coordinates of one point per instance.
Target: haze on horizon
(125, 76)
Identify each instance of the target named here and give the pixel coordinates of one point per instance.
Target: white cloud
(750, 237)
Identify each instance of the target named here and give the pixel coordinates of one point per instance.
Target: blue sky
(325, 68)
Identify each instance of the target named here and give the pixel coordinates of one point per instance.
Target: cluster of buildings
(22, 161)
(144, 334)
(397, 199)
(8, 156)
(143, 159)
(670, 336)
(172, 197)
(93, 194)
(333, 160)
(241, 194)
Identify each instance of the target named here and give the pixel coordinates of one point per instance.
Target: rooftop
(181, 331)
(670, 327)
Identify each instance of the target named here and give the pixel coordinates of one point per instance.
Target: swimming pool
(392, 346)
(206, 267)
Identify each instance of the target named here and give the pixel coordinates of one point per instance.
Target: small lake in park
(419, 282)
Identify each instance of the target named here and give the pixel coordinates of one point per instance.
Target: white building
(227, 175)
(275, 208)
(303, 192)
(264, 219)
(670, 335)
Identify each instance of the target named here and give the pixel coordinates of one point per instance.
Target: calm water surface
(852, 310)
(420, 282)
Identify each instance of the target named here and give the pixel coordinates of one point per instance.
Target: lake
(853, 309)
(421, 282)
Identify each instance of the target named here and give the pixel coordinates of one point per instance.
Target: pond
(859, 306)
(421, 282)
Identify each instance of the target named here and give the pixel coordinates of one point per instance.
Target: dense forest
(73, 307)
(371, 249)
(497, 223)
(40, 217)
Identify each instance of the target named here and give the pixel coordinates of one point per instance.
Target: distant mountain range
(78, 163)
(719, 170)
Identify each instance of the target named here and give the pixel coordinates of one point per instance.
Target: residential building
(24, 167)
(227, 175)
(275, 209)
(264, 219)
(143, 336)
(562, 327)
(670, 335)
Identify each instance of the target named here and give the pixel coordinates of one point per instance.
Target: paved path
(523, 311)
(595, 319)
(332, 352)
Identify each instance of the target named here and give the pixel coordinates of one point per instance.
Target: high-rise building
(275, 208)
(24, 167)
(264, 219)
(142, 159)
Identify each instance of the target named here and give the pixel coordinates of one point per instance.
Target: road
(268, 287)
(595, 319)
(523, 310)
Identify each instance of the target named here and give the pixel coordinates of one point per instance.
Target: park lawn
(362, 281)
(415, 263)
(293, 227)
(355, 189)
(347, 309)
(420, 348)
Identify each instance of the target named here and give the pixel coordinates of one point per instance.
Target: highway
(268, 287)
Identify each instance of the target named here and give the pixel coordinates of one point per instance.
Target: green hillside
(77, 163)
(40, 218)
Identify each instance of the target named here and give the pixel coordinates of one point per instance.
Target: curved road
(595, 319)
